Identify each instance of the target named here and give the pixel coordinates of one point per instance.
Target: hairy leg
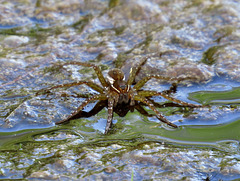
(151, 106)
(155, 93)
(96, 69)
(158, 105)
(134, 70)
(142, 111)
(172, 89)
(110, 114)
(88, 83)
(87, 101)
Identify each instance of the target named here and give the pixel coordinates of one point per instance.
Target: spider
(117, 91)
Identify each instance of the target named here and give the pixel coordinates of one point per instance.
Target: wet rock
(110, 169)
(12, 15)
(199, 73)
(42, 175)
(64, 164)
(15, 41)
(195, 72)
(2, 173)
(235, 169)
(228, 62)
(180, 33)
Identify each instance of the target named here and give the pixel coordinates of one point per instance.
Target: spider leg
(110, 114)
(134, 71)
(87, 101)
(81, 95)
(155, 93)
(143, 81)
(96, 69)
(172, 89)
(142, 111)
(170, 104)
(88, 83)
(151, 106)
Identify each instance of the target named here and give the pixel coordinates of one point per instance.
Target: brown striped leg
(151, 106)
(134, 70)
(172, 89)
(88, 83)
(154, 93)
(142, 111)
(96, 69)
(110, 114)
(87, 101)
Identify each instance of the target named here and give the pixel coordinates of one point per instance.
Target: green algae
(210, 55)
(69, 151)
(217, 97)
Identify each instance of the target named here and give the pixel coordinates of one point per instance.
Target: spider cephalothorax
(120, 88)
(116, 90)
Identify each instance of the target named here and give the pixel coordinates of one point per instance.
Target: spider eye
(110, 79)
(122, 87)
(116, 74)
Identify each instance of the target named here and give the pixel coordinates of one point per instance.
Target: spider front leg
(141, 83)
(151, 106)
(110, 114)
(155, 93)
(134, 70)
(87, 101)
(88, 83)
(96, 69)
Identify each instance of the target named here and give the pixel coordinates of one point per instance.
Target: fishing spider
(116, 91)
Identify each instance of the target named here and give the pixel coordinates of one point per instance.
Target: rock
(15, 41)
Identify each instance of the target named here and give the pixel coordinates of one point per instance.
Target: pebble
(15, 41)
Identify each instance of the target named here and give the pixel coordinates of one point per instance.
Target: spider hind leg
(151, 106)
(155, 93)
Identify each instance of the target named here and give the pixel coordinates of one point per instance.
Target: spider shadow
(121, 109)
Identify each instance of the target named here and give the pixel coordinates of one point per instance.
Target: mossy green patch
(217, 97)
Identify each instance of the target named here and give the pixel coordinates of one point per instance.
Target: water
(199, 39)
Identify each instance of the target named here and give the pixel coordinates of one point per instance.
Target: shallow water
(198, 39)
